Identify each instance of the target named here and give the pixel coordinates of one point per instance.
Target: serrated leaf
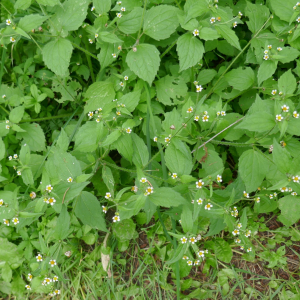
(241, 79)
(195, 8)
(257, 14)
(266, 70)
(178, 158)
(144, 62)
(186, 219)
(161, 21)
(253, 167)
(70, 15)
(111, 138)
(168, 88)
(166, 197)
(89, 211)
(99, 94)
(131, 22)
(22, 4)
(259, 122)
(281, 157)
(105, 56)
(131, 100)
(190, 51)
(283, 9)
(229, 35)
(33, 136)
(57, 55)
(108, 179)
(290, 209)
(16, 114)
(30, 22)
(287, 83)
(109, 37)
(62, 224)
(206, 76)
(140, 151)
(102, 6)
(208, 34)
(124, 146)
(222, 250)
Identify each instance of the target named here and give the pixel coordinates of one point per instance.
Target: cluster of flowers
(285, 109)
(201, 254)
(47, 280)
(114, 55)
(8, 23)
(266, 52)
(15, 156)
(122, 85)
(97, 112)
(234, 212)
(119, 15)
(247, 234)
(295, 7)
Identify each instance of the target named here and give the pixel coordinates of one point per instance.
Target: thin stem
(4, 109)
(85, 51)
(170, 47)
(142, 20)
(2, 64)
(45, 118)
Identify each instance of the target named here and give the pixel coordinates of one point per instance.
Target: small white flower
(201, 253)
(294, 194)
(70, 179)
(205, 118)
(119, 2)
(279, 49)
(196, 32)
(116, 219)
(285, 108)
(212, 20)
(93, 8)
(234, 24)
(196, 262)
(155, 139)
(266, 57)
(249, 249)
(51, 201)
(248, 233)
(49, 188)
(10, 157)
(279, 118)
(239, 225)
(274, 92)
(185, 257)
(15, 221)
(121, 84)
(223, 113)
(8, 22)
(219, 178)
(167, 139)
(235, 232)
(199, 184)
(208, 206)
(29, 277)
(39, 257)
(242, 247)
(96, 35)
(143, 180)
(257, 199)
(238, 241)
(246, 195)
(183, 240)
(174, 175)
(200, 201)
(104, 209)
(296, 178)
(27, 287)
(295, 114)
(91, 41)
(240, 14)
(199, 88)
(114, 56)
(19, 173)
(193, 240)
(190, 110)
(196, 118)
(189, 262)
(284, 189)
(15, 155)
(119, 15)
(90, 114)
(128, 130)
(269, 47)
(125, 77)
(107, 195)
(32, 195)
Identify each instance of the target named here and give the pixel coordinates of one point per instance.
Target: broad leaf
(30, 22)
(287, 83)
(266, 70)
(229, 35)
(62, 224)
(131, 22)
(144, 61)
(281, 157)
(241, 79)
(166, 197)
(190, 50)
(102, 6)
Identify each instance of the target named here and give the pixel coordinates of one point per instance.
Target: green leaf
(89, 211)
(195, 8)
(178, 253)
(88, 136)
(61, 230)
(63, 140)
(287, 83)
(168, 88)
(6, 273)
(30, 22)
(57, 55)
(33, 136)
(222, 250)
(16, 114)
(208, 34)
(259, 122)
(293, 126)
(215, 227)
(109, 37)
(161, 21)
(140, 152)
(124, 146)
(105, 56)
(166, 197)
(144, 62)
(27, 176)
(70, 15)
(178, 158)
(48, 2)
(281, 157)
(22, 4)
(102, 6)
(257, 14)
(266, 70)
(206, 76)
(2, 149)
(125, 230)
(111, 138)
(190, 50)
(229, 35)
(186, 219)
(253, 167)
(283, 9)
(99, 94)
(131, 100)
(9, 252)
(241, 79)
(290, 210)
(288, 54)
(24, 155)
(108, 179)
(131, 22)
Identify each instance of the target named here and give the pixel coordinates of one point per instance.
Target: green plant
(117, 114)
